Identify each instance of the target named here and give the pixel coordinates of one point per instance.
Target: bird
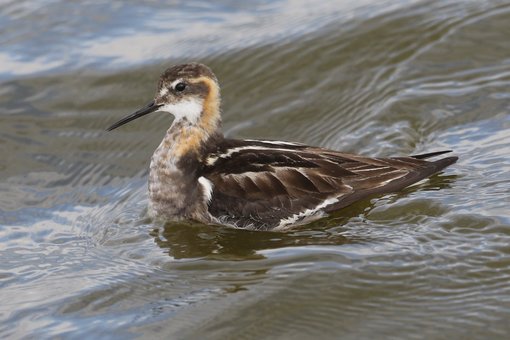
(197, 174)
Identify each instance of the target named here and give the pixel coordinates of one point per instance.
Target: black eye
(180, 87)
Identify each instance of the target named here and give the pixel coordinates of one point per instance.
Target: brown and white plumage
(198, 174)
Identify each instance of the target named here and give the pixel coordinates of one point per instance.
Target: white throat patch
(186, 108)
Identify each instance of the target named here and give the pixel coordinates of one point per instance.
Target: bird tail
(430, 154)
(439, 164)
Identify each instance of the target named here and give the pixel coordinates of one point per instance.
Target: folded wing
(269, 184)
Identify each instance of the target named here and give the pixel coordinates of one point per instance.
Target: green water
(79, 258)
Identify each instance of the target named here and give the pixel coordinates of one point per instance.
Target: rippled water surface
(79, 257)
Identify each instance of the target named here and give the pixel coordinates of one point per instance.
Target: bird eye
(180, 87)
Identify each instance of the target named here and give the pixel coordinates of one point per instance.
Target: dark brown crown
(187, 71)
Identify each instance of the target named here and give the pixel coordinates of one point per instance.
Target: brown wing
(264, 185)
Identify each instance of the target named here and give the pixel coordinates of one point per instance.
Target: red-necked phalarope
(197, 174)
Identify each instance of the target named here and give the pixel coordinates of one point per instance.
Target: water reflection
(186, 240)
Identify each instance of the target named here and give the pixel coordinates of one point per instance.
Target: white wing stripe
(307, 213)
(275, 142)
(211, 160)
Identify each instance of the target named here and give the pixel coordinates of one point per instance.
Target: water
(79, 257)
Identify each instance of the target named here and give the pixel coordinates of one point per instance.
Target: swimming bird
(198, 174)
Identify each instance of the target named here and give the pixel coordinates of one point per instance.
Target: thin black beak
(151, 107)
